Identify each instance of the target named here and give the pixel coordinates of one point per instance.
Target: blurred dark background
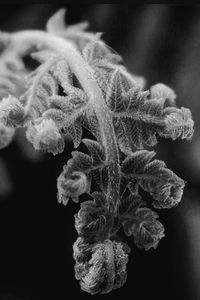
(162, 43)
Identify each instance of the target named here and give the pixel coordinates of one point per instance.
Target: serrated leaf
(114, 91)
(100, 198)
(97, 151)
(129, 205)
(75, 179)
(145, 228)
(75, 131)
(100, 174)
(136, 162)
(61, 102)
(66, 113)
(162, 91)
(179, 124)
(139, 123)
(82, 162)
(41, 85)
(102, 77)
(101, 177)
(153, 176)
(79, 162)
(57, 115)
(90, 122)
(133, 186)
(122, 90)
(63, 75)
(138, 119)
(92, 220)
(153, 167)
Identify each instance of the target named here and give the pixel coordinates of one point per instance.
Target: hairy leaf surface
(153, 176)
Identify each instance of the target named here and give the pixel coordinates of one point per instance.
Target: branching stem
(84, 73)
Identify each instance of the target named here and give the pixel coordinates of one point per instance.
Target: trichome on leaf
(99, 94)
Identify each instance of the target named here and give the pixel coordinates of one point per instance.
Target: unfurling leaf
(164, 186)
(161, 91)
(129, 205)
(12, 112)
(105, 268)
(74, 179)
(178, 124)
(45, 136)
(75, 132)
(79, 163)
(93, 220)
(145, 228)
(90, 122)
(97, 151)
(79, 82)
(98, 155)
(72, 187)
(139, 116)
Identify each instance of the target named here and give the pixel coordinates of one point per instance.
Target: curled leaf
(161, 91)
(145, 228)
(72, 187)
(12, 112)
(75, 132)
(93, 220)
(178, 124)
(105, 268)
(153, 176)
(129, 205)
(97, 151)
(74, 179)
(45, 136)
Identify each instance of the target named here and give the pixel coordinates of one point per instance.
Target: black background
(161, 43)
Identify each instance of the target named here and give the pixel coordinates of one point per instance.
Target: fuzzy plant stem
(84, 73)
